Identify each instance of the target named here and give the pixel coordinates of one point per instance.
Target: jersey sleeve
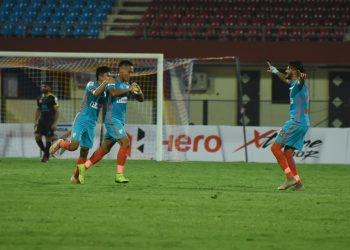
(109, 86)
(90, 87)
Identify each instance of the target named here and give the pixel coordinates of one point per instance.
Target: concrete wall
(221, 94)
(316, 53)
(222, 97)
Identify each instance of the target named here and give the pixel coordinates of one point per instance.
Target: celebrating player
(117, 95)
(46, 117)
(84, 124)
(292, 134)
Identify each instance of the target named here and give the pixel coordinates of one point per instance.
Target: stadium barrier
(196, 143)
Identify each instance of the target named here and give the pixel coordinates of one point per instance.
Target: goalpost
(38, 64)
(165, 112)
(165, 83)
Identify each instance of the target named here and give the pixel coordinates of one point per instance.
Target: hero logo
(184, 143)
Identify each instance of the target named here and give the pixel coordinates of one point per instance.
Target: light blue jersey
(299, 104)
(90, 105)
(116, 105)
(116, 112)
(83, 129)
(293, 132)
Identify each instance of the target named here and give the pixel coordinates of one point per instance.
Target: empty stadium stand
(125, 18)
(51, 18)
(246, 20)
(236, 20)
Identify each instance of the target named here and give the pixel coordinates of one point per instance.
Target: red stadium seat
(310, 35)
(139, 32)
(229, 22)
(282, 34)
(154, 32)
(224, 34)
(252, 34)
(211, 33)
(187, 21)
(238, 34)
(200, 21)
(271, 20)
(324, 35)
(257, 22)
(337, 35)
(168, 32)
(194, 33)
(180, 33)
(296, 35)
(215, 21)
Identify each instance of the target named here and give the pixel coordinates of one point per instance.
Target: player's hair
(297, 65)
(102, 70)
(48, 84)
(125, 63)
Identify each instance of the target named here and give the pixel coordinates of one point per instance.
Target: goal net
(165, 84)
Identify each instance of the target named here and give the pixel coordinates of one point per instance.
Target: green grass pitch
(172, 205)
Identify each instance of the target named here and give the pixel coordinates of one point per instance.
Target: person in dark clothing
(46, 117)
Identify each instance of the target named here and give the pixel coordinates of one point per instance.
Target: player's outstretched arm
(275, 71)
(137, 92)
(101, 88)
(116, 92)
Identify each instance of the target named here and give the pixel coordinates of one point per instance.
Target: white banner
(226, 143)
(195, 143)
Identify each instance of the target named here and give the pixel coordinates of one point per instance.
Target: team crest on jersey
(123, 99)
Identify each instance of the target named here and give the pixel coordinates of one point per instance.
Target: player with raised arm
(46, 117)
(83, 128)
(117, 98)
(291, 136)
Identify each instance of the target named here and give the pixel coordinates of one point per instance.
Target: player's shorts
(44, 128)
(292, 135)
(115, 129)
(83, 130)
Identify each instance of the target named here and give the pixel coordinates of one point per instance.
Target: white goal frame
(160, 65)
